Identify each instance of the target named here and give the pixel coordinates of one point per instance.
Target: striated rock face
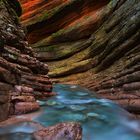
(23, 78)
(76, 18)
(89, 42)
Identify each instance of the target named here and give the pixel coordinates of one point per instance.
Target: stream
(101, 119)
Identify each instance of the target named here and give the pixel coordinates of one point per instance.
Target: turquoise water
(101, 119)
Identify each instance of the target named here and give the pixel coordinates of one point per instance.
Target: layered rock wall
(23, 78)
(92, 43)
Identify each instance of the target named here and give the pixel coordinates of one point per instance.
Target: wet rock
(62, 131)
(25, 107)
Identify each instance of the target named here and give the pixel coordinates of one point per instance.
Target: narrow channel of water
(101, 119)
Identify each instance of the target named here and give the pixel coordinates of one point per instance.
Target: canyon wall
(92, 43)
(23, 78)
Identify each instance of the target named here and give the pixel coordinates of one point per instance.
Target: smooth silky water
(101, 119)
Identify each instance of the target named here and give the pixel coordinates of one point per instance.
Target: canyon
(94, 44)
(90, 43)
(23, 78)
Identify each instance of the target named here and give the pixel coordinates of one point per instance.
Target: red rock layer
(61, 14)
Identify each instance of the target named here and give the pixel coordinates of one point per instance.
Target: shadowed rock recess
(88, 42)
(23, 78)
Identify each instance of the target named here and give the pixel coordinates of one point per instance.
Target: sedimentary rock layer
(23, 78)
(89, 42)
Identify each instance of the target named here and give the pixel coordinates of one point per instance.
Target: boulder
(62, 131)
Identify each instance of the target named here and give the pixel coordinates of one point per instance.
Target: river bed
(101, 119)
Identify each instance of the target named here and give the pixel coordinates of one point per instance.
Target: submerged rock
(73, 117)
(92, 114)
(77, 107)
(82, 93)
(51, 102)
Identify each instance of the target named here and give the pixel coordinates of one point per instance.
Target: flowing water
(101, 119)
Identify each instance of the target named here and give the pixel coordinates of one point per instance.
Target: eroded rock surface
(23, 78)
(92, 43)
(62, 131)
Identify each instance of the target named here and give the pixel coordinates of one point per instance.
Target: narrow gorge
(91, 43)
(50, 50)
